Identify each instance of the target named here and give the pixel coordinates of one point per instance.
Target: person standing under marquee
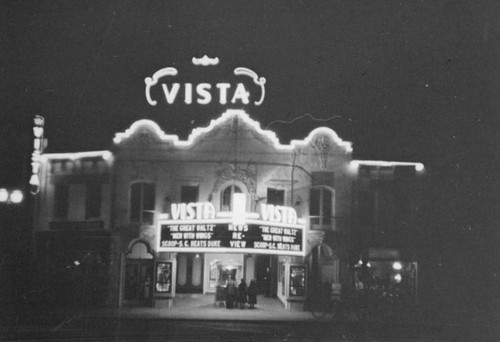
(230, 293)
(252, 293)
(242, 293)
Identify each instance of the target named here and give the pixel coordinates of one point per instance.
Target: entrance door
(267, 274)
(189, 273)
(138, 287)
(138, 276)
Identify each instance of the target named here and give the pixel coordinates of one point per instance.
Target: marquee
(197, 227)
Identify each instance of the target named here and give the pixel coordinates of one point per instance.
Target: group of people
(241, 294)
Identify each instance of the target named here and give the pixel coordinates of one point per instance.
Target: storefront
(212, 247)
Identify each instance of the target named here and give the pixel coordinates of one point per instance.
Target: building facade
(156, 217)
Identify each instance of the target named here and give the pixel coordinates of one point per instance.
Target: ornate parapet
(244, 173)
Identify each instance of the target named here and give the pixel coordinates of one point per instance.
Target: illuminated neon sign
(204, 93)
(38, 142)
(197, 227)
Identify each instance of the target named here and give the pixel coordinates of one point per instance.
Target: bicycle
(321, 304)
(344, 308)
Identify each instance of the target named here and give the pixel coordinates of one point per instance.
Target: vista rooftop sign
(204, 93)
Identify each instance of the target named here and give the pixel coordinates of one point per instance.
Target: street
(136, 329)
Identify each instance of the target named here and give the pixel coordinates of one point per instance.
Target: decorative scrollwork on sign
(237, 172)
(323, 144)
(205, 61)
(260, 81)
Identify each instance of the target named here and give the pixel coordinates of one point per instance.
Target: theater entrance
(190, 272)
(138, 276)
(267, 274)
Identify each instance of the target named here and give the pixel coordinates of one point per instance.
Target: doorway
(190, 273)
(138, 275)
(138, 287)
(267, 274)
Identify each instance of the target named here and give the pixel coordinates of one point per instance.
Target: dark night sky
(409, 80)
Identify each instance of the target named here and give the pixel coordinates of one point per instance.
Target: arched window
(227, 197)
(142, 202)
(321, 207)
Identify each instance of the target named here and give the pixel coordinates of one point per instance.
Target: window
(142, 203)
(275, 196)
(366, 208)
(227, 197)
(93, 200)
(321, 206)
(189, 194)
(61, 197)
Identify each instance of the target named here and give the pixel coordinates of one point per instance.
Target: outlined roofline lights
(229, 114)
(105, 155)
(355, 164)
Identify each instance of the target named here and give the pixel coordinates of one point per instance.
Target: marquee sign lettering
(197, 227)
(205, 93)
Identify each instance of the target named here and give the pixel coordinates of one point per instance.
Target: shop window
(93, 198)
(323, 178)
(321, 206)
(61, 201)
(275, 196)
(227, 197)
(142, 203)
(163, 277)
(297, 281)
(189, 194)
(366, 208)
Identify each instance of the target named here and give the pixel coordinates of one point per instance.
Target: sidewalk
(199, 307)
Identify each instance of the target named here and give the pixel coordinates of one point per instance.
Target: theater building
(155, 217)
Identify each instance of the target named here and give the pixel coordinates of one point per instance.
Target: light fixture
(4, 195)
(397, 266)
(11, 197)
(419, 167)
(16, 196)
(398, 278)
(239, 204)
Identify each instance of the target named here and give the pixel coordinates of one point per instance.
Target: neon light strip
(357, 163)
(229, 114)
(188, 222)
(78, 155)
(231, 250)
(230, 221)
(275, 224)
